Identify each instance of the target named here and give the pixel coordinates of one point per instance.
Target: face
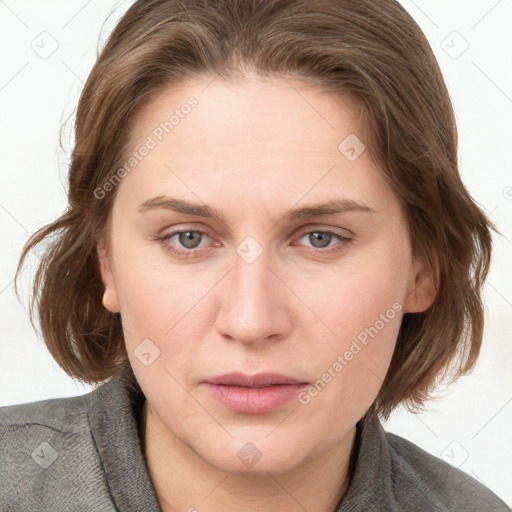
(222, 261)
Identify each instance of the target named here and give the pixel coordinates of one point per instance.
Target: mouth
(253, 394)
(260, 380)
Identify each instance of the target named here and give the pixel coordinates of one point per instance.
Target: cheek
(352, 365)
(154, 299)
(362, 308)
(160, 329)
(354, 297)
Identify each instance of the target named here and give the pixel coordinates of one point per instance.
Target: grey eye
(190, 239)
(320, 239)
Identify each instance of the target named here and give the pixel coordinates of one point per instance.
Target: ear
(110, 299)
(422, 289)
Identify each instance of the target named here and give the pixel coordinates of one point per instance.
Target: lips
(253, 394)
(260, 380)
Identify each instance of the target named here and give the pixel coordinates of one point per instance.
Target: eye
(186, 242)
(321, 240)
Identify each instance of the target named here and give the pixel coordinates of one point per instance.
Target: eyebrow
(331, 207)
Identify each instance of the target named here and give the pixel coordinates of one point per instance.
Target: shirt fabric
(84, 453)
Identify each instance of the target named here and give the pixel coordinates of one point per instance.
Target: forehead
(263, 139)
(237, 115)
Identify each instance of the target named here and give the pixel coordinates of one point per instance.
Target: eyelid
(300, 231)
(176, 230)
(331, 229)
(343, 240)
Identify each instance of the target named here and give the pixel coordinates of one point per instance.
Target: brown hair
(372, 51)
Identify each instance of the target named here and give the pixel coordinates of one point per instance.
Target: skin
(253, 151)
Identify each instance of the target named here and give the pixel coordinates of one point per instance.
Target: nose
(254, 302)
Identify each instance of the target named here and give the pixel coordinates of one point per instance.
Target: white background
(469, 425)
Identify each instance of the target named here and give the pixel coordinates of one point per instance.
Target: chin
(245, 457)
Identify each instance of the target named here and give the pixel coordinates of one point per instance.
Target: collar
(114, 409)
(370, 483)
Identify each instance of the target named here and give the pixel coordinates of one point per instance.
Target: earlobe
(110, 299)
(422, 289)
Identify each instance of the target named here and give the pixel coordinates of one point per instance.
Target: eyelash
(192, 252)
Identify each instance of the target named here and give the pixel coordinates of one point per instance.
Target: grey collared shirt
(84, 454)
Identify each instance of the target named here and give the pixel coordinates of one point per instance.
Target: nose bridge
(251, 308)
(251, 263)
(251, 276)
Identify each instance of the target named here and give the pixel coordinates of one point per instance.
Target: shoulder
(422, 477)
(49, 456)
(46, 420)
(392, 474)
(37, 429)
(56, 413)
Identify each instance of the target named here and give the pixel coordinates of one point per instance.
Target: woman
(267, 247)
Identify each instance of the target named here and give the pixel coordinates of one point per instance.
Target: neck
(184, 481)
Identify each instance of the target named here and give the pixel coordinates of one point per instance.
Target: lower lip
(254, 400)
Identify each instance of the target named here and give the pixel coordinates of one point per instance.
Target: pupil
(323, 238)
(187, 239)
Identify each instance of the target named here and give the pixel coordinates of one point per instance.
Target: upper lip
(253, 381)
